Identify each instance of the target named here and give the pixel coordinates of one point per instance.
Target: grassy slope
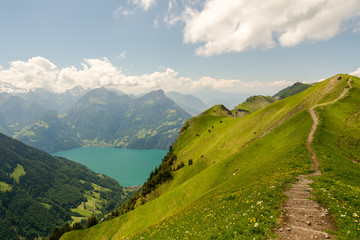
(337, 144)
(233, 189)
(255, 103)
(292, 90)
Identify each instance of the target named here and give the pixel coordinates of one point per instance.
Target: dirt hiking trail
(303, 218)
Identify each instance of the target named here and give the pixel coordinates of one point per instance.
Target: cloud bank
(38, 72)
(356, 73)
(222, 26)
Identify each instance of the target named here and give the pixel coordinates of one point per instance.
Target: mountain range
(100, 117)
(105, 118)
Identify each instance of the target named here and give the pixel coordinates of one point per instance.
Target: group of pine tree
(58, 232)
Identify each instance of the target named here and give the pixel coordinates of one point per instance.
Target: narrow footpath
(303, 218)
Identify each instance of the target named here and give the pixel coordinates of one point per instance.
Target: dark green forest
(38, 191)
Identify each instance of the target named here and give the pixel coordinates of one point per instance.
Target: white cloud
(357, 27)
(95, 73)
(233, 26)
(144, 4)
(356, 72)
(34, 73)
(121, 55)
(39, 72)
(121, 11)
(127, 12)
(156, 23)
(116, 13)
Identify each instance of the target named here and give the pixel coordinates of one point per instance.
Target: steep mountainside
(189, 103)
(18, 110)
(59, 102)
(104, 118)
(18, 113)
(39, 192)
(292, 90)
(225, 177)
(49, 134)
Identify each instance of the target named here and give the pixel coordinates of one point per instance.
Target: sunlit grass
(18, 172)
(4, 187)
(235, 187)
(337, 144)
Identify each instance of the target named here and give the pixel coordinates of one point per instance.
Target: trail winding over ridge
(303, 218)
(316, 123)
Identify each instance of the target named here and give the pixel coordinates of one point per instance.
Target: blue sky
(248, 47)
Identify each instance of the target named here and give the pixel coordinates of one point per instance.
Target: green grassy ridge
(218, 154)
(237, 193)
(255, 103)
(337, 145)
(292, 90)
(238, 132)
(223, 184)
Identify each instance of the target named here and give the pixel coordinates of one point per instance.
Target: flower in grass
(256, 224)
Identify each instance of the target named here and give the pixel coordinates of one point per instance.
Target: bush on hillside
(92, 221)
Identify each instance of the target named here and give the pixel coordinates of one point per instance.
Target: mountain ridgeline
(252, 104)
(78, 117)
(105, 118)
(39, 192)
(189, 103)
(225, 176)
(292, 90)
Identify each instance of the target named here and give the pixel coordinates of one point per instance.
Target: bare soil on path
(303, 218)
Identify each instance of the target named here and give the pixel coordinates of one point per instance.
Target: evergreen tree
(77, 226)
(92, 221)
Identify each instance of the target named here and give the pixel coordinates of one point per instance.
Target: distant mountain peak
(158, 92)
(157, 95)
(188, 102)
(75, 91)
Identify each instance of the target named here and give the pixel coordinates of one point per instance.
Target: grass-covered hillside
(39, 192)
(236, 169)
(252, 104)
(292, 90)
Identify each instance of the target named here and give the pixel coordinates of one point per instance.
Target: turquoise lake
(128, 166)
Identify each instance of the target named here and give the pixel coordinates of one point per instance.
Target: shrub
(181, 165)
(92, 221)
